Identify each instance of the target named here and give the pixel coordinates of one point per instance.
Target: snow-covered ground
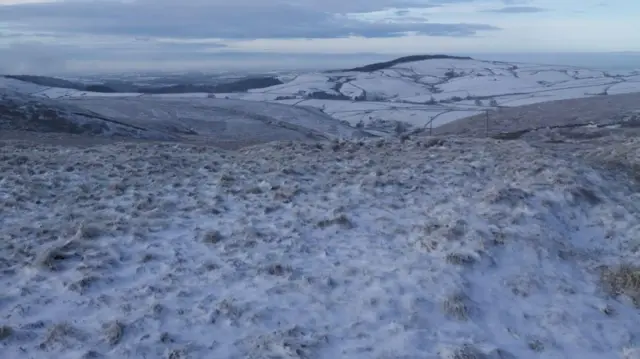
(225, 122)
(444, 89)
(453, 88)
(416, 93)
(427, 248)
(215, 116)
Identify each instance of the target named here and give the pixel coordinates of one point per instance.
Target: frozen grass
(447, 248)
(625, 279)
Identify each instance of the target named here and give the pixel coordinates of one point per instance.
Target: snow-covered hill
(229, 123)
(442, 248)
(418, 93)
(397, 247)
(441, 90)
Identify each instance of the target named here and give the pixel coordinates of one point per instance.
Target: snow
(351, 90)
(20, 86)
(302, 83)
(625, 87)
(389, 88)
(422, 82)
(216, 116)
(433, 249)
(411, 93)
(549, 76)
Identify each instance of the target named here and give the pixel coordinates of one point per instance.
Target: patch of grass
(212, 237)
(58, 334)
(342, 220)
(624, 279)
(460, 259)
(536, 345)
(113, 332)
(466, 351)
(83, 284)
(585, 194)
(176, 354)
(457, 306)
(5, 332)
(226, 179)
(51, 258)
(92, 354)
(278, 269)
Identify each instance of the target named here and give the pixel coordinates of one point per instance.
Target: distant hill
(235, 86)
(25, 113)
(241, 85)
(387, 64)
(48, 81)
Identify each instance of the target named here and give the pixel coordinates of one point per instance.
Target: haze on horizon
(109, 35)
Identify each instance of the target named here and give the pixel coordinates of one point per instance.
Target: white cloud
(197, 31)
(238, 19)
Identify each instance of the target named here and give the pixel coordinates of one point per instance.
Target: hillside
(241, 85)
(401, 60)
(439, 90)
(226, 123)
(408, 93)
(270, 224)
(443, 248)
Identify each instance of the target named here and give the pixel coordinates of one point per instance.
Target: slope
(444, 248)
(439, 89)
(230, 123)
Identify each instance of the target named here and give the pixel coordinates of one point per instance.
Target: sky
(84, 35)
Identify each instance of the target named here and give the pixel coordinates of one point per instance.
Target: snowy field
(443, 90)
(428, 248)
(623, 109)
(228, 123)
(418, 94)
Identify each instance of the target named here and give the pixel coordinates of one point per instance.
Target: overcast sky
(121, 34)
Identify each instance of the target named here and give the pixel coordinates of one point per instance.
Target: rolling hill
(408, 93)
(271, 223)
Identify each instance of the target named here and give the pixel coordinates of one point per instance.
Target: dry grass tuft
(278, 270)
(52, 257)
(212, 237)
(466, 351)
(536, 345)
(457, 306)
(113, 332)
(293, 343)
(92, 354)
(585, 195)
(461, 259)
(5, 332)
(88, 232)
(83, 283)
(342, 220)
(624, 279)
(59, 334)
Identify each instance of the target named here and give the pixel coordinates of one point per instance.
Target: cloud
(517, 10)
(31, 58)
(38, 58)
(236, 20)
